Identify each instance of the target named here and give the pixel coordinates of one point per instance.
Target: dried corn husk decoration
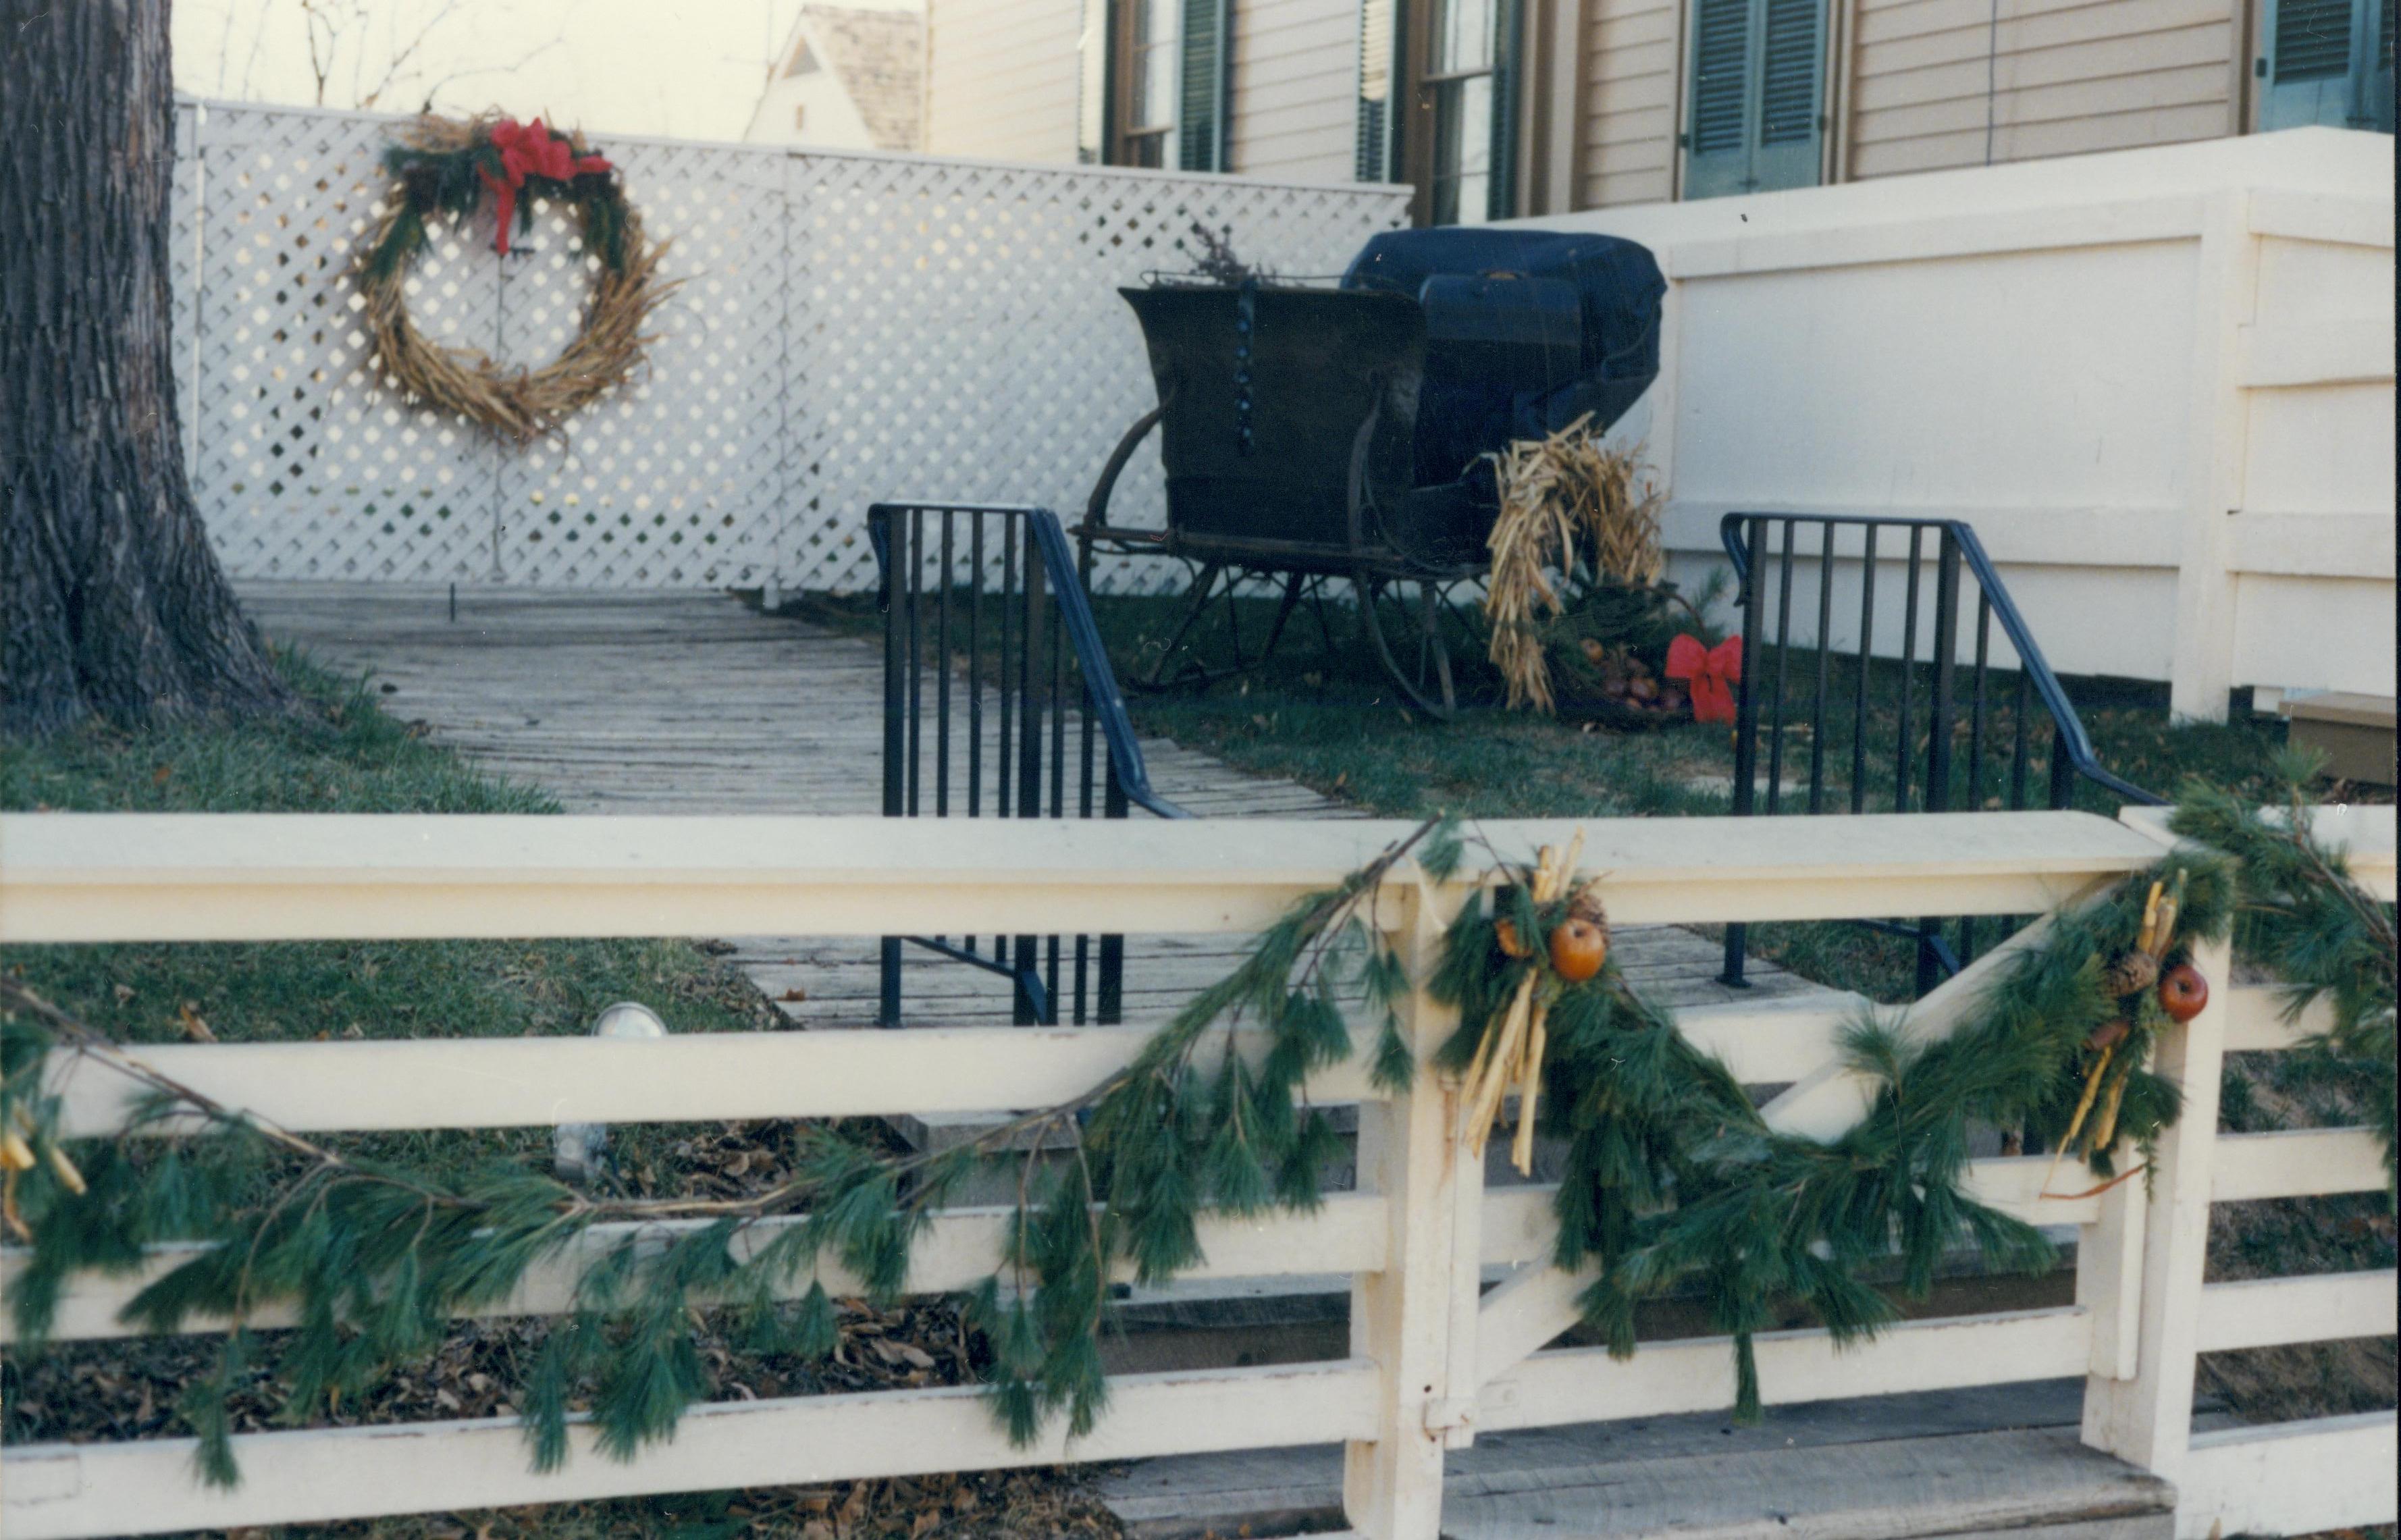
(1513, 1053)
(517, 404)
(1564, 498)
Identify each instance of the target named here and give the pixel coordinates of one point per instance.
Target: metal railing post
(1938, 730)
(1745, 728)
(896, 719)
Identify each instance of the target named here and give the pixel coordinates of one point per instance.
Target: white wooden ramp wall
(1432, 1364)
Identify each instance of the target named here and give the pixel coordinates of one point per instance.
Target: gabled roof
(880, 58)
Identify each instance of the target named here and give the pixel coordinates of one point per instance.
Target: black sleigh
(1314, 436)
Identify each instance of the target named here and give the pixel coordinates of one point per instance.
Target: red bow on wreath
(530, 149)
(1708, 672)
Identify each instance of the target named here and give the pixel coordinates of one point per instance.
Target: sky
(688, 70)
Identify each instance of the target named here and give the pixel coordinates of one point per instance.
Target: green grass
(339, 753)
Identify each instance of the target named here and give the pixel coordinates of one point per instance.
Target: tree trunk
(111, 603)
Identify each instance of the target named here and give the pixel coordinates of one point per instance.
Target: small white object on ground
(580, 1151)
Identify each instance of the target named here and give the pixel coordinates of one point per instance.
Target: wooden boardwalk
(694, 703)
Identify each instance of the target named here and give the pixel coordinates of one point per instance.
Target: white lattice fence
(850, 328)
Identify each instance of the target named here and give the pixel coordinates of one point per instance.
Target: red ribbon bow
(530, 149)
(1708, 672)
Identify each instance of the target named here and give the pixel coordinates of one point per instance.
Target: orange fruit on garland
(2184, 992)
(1578, 949)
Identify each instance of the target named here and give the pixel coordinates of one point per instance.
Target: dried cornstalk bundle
(1566, 500)
(441, 165)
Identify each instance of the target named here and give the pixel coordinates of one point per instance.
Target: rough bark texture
(111, 603)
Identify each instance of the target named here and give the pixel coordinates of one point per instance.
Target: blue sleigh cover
(1526, 331)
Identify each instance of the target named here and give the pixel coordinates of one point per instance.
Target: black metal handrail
(1040, 628)
(1958, 552)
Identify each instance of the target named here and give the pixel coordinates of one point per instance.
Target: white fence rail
(853, 326)
(1434, 1362)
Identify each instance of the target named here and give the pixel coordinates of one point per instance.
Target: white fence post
(2216, 443)
(1402, 1316)
(2147, 1418)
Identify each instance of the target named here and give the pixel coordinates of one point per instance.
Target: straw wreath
(446, 166)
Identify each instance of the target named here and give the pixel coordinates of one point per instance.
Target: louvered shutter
(1508, 51)
(1378, 68)
(2309, 63)
(1201, 127)
(1791, 55)
(1758, 82)
(2378, 109)
(1718, 144)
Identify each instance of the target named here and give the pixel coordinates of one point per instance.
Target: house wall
(1002, 78)
(2050, 77)
(2158, 383)
(832, 120)
(1295, 85)
(1629, 148)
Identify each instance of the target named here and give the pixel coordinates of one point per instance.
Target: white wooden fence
(1431, 1363)
(853, 327)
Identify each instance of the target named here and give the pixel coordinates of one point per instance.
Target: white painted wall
(2158, 383)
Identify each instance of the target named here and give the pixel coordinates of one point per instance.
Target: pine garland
(2299, 913)
(1672, 1177)
(373, 1261)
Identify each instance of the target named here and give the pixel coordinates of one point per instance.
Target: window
(799, 115)
(2327, 62)
(1755, 111)
(1158, 97)
(1146, 125)
(1460, 59)
(1458, 84)
(803, 62)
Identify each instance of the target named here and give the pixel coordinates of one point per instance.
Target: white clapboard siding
(2303, 1162)
(1663, 1379)
(2319, 1308)
(275, 876)
(1629, 114)
(1295, 89)
(1003, 79)
(2065, 77)
(959, 1247)
(2289, 1478)
(56, 1492)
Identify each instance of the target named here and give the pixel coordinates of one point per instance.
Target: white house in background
(849, 77)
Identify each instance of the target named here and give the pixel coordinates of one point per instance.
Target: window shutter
(1200, 129)
(1791, 54)
(1757, 86)
(1718, 144)
(1378, 32)
(2378, 109)
(2309, 63)
(1508, 47)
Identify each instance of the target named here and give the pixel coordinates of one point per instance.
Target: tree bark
(111, 605)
